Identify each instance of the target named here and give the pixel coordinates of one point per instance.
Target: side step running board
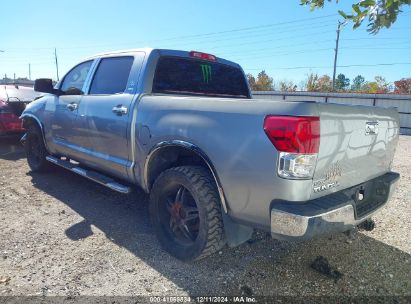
(94, 176)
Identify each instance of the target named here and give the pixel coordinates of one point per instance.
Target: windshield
(177, 75)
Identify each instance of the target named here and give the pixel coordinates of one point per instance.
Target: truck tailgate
(357, 144)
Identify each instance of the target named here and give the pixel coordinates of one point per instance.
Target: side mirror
(73, 91)
(45, 85)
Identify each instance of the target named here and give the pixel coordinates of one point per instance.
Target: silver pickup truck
(183, 126)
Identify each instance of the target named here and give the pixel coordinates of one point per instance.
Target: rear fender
(236, 233)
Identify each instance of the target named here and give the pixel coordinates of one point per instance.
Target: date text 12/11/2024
(203, 299)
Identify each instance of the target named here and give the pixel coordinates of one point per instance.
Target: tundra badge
(371, 127)
(330, 180)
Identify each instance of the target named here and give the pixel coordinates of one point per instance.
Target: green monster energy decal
(206, 72)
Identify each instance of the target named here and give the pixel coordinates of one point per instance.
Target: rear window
(176, 75)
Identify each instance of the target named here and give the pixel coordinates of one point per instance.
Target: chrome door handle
(72, 106)
(120, 110)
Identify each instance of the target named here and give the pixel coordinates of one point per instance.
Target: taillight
(297, 138)
(297, 134)
(204, 56)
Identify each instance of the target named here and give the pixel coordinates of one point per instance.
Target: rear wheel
(35, 150)
(185, 212)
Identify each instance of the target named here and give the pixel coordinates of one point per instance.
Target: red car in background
(13, 100)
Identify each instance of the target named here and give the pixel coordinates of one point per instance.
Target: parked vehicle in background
(217, 164)
(13, 101)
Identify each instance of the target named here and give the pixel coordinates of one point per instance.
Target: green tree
(357, 83)
(262, 83)
(325, 84)
(380, 13)
(382, 85)
(378, 86)
(342, 82)
(318, 84)
(370, 87)
(311, 84)
(287, 86)
(251, 82)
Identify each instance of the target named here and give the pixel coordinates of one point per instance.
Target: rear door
(105, 113)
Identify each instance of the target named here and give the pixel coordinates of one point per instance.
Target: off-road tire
(36, 151)
(199, 182)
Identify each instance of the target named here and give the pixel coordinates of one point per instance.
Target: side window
(111, 76)
(74, 80)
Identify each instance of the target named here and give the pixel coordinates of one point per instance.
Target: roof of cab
(148, 50)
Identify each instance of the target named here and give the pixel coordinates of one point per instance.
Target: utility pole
(57, 64)
(29, 72)
(336, 51)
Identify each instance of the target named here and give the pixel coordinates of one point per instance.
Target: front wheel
(35, 150)
(185, 212)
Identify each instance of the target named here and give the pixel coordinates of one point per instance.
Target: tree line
(316, 83)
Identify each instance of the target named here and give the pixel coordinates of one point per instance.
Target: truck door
(66, 138)
(105, 113)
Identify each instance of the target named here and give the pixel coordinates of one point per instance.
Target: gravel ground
(63, 235)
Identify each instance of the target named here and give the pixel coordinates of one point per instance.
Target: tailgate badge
(330, 179)
(371, 127)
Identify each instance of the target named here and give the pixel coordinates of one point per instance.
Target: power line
(276, 47)
(211, 34)
(287, 37)
(376, 48)
(281, 50)
(204, 35)
(258, 51)
(260, 33)
(390, 44)
(327, 67)
(376, 38)
(254, 50)
(400, 28)
(248, 28)
(284, 36)
(285, 53)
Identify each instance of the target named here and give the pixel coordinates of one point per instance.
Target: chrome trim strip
(83, 172)
(52, 159)
(80, 171)
(117, 187)
(193, 148)
(294, 225)
(285, 224)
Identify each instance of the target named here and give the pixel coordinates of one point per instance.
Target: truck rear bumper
(337, 212)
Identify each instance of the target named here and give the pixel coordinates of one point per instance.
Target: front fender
(33, 113)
